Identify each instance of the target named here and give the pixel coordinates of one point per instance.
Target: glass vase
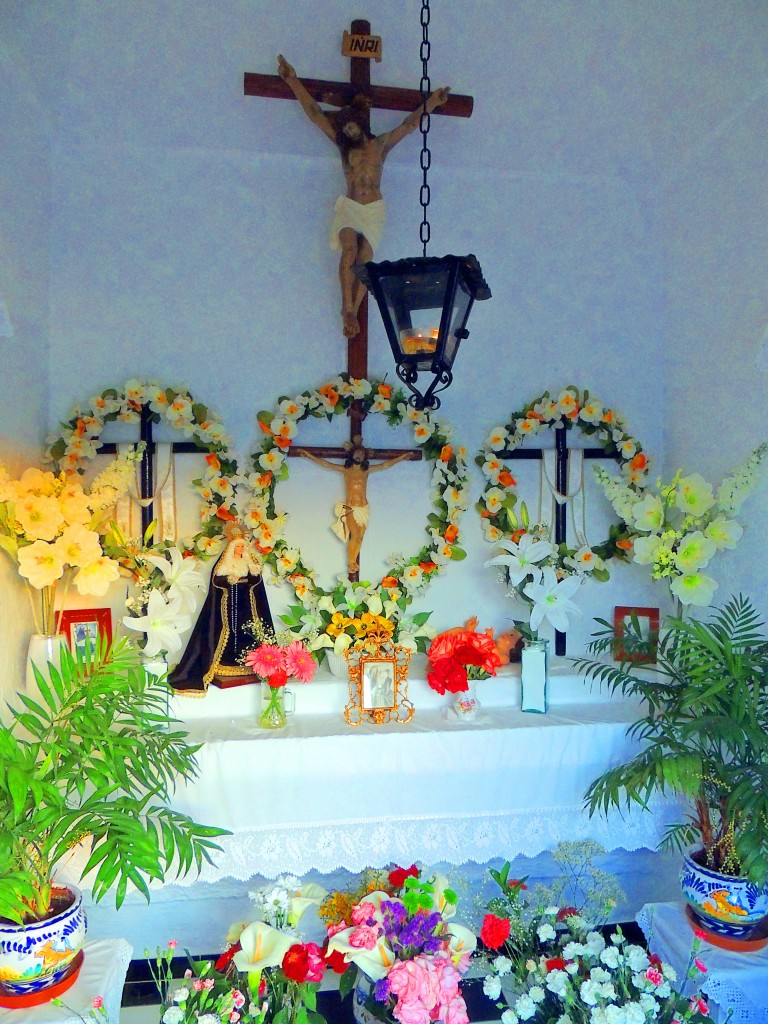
(533, 676)
(275, 704)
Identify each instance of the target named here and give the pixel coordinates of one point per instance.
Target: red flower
(516, 883)
(335, 960)
(279, 678)
(655, 961)
(495, 931)
(397, 876)
(449, 675)
(227, 956)
(296, 963)
(555, 963)
(565, 912)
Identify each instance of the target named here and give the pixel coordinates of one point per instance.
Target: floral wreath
(570, 409)
(449, 493)
(79, 441)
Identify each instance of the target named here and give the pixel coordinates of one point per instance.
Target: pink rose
(208, 983)
(455, 1012)
(411, 1013)
(197, 984)
(97, 1003)
(172, 944)
(238, 998)
(364, 937)
(316, 966)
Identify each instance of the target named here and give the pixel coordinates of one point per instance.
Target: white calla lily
(262, 946)
(447, 910)
(461, 941)
(375, 963)
(309, 895)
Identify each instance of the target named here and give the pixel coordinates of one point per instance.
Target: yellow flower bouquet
(51, 528)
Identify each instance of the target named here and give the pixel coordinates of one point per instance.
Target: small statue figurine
(236, 597)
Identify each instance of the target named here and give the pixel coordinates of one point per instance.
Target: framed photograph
(83, 626)
(378, 684)
(636, 633)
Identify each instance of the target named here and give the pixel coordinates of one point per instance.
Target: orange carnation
(389, 582)
(385, 390)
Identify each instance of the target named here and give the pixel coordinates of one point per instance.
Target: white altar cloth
(322, 795)
(734, 982)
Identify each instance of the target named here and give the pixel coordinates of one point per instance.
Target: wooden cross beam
(339, 94)
(561, 484)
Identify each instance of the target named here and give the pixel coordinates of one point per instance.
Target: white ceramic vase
(36, 956)
(44, 650)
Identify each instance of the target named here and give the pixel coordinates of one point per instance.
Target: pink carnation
(334, 929)
(654, 975)
(197, 985)
(363, 912)
(97, 1003)
(299, 662)
(700, 964)
(364, 937)
(316, 962)
(208, 983)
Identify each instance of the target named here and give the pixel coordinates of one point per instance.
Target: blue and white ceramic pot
(728, 906)
(35, 956)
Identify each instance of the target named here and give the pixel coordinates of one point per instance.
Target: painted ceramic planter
(728, 906)
(35, 956)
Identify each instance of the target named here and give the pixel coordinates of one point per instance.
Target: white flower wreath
(79, 441)
(570, 409)
(449, 491)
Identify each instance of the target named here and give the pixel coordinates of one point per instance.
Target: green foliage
(704, 736)
(96, 756)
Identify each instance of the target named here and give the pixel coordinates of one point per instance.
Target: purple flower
(381, 990)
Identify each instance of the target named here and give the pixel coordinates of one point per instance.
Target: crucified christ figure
(359, 215)
(353, 513)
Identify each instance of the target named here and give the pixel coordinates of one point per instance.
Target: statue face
(353, 131)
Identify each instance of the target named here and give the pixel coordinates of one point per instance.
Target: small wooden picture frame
(84, 626)
(638, 643)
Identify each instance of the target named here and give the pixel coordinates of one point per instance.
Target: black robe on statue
(219, 639)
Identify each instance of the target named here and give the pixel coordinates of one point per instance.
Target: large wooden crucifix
(355, 456)
(561, 486)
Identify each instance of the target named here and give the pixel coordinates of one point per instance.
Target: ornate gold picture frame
(378, 684)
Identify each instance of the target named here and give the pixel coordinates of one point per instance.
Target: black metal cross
(146, 466)
(561, 484)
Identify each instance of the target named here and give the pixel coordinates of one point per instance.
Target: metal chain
(426, 156)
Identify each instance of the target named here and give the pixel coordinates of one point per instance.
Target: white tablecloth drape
(734, 982)
(319, 794)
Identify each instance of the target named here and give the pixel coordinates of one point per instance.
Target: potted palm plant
(704, 738)
(92, 757)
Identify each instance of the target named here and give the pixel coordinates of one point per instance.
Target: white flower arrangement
(679, 527)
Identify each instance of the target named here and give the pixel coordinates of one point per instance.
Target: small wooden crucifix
(360, 94)
(561, 486)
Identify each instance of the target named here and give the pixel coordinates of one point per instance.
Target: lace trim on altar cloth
(716, 984)
(359, 843)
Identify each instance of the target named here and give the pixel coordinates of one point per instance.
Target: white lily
(447, 910)
(694, 551)
(724, 533)
(523, 556)
(694, 588)
(551, 600)
(183, 575)
(261, 946)
(163, 623)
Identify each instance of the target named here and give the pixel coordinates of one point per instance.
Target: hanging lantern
(425, 304)
(425, 301)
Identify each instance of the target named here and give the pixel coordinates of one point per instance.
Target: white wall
(186, 237)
